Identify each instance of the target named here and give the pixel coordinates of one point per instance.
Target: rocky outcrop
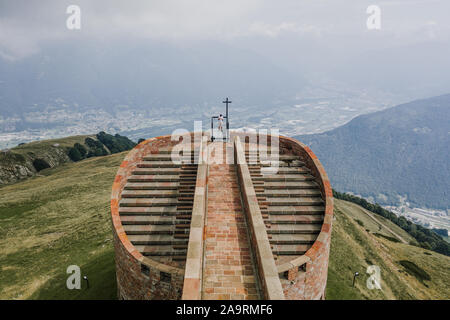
(27, 160)
(16, 166)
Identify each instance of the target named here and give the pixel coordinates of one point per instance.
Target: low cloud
(25, 25)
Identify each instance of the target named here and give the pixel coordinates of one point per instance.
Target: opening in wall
(145, 270)
(302, 268)
(165, 277)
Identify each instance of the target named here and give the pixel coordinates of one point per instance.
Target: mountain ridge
(391, 154)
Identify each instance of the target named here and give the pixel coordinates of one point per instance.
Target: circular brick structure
(161, 217)
(308, 278)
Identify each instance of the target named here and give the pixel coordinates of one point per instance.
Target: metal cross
(226, 114)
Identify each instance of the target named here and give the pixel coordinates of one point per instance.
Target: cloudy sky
(27, 25)
(183, 54)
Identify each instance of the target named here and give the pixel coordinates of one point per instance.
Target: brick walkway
(229, 271)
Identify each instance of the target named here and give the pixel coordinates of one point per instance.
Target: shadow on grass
(102, 282)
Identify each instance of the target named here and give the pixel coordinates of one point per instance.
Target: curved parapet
(151, 201)
(310, 270)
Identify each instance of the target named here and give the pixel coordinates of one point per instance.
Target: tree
(74, 154)
(81, 149)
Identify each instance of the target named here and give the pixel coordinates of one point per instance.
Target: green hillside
(358, 241)
(55, 220)
(61, 217)
(29, 159)
(43, 145)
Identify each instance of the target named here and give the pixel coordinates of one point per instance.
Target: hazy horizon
(305, 67)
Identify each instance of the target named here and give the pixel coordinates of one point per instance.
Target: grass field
(62, 218)
(50, 222)
(353, 249)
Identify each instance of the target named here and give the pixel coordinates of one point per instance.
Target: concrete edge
(192, 287)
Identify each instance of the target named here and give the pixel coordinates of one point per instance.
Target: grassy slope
(41, 146)
(354, 249)
(48, 223)
(61, 218)
(361, 214)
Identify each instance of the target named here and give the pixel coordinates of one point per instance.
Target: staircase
(290, 201)
(229, 271)
(156, 206)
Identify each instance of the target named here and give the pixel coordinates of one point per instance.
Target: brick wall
(310, 284)
(139, 277)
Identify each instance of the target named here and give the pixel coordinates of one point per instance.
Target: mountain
(399, 152)
(44, 230)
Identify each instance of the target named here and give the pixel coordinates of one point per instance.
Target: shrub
(40, 164)
(81, 149)
(74, 154)
(415, 270)
(116, 143)
(387, 237)
(96, 148)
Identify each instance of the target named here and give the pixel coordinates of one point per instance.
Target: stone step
(150, 194)
(258, 148)
(295, 229)
(284, 178)
(266, 163)
(159, 171)
(183, 152)
(298, 219)
(158, 164)
(294, 210)
(150, 211)
(150, 220)
(150, 202)
(276, 185)
(292, 193)
(293, 238)
(157, 239)
(153, 178)
(189, 177)
(149, 229)
(297, 201)
(167, 157)
(151, 186)
(290, 249)
(160, 251)
(275, 157)
(281, 170)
